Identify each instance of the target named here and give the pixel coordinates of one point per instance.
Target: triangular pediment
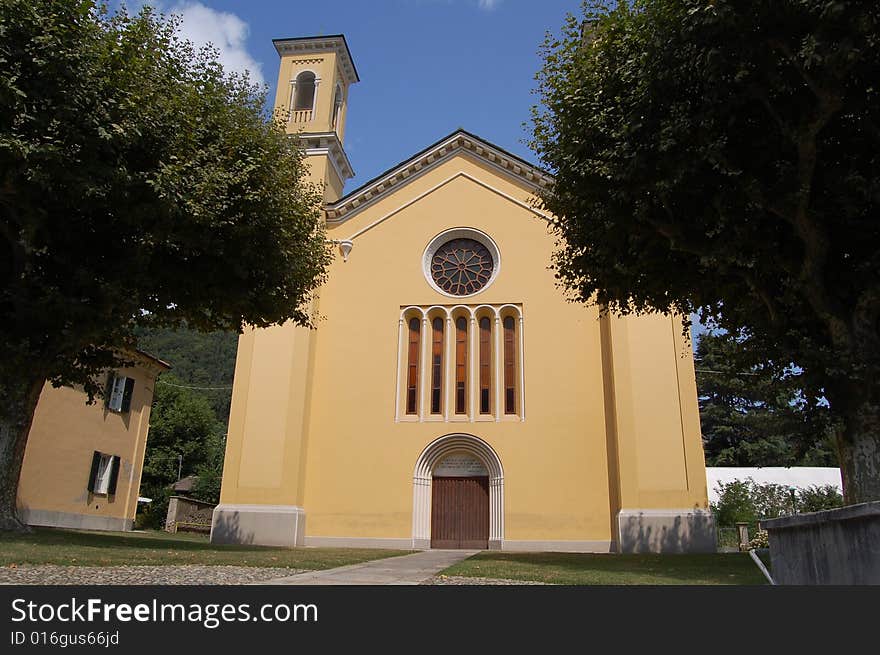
(458, 143)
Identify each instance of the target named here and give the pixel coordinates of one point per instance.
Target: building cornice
(152, 364)
(329, 145)
(314, 44)
(456, 143)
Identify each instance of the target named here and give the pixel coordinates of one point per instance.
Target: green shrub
(736, 503)
(817, 498)
(154, 513)
(745, 501)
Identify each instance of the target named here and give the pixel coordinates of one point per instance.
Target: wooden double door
(460, 512)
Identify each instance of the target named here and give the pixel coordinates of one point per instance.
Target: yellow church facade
(450, 396)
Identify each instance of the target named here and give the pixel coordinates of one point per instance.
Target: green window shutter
(93, 476)
(108, 388)
(114, 475)
(126, 395)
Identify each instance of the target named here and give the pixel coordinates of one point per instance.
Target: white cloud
(227, 32)
(488, 5)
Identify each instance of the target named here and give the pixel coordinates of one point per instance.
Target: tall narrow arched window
(485, 366)
(337, 106)
(437, 366)
(461, 358)
(509, 365)
(412, 367)
(304, 96)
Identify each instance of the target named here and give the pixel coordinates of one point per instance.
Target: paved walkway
(403, 570)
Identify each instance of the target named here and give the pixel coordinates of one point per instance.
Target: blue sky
(427, 67)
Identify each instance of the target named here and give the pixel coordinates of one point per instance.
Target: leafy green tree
(722, 158)
(183, 438)
(139, 184)
(754, 413)
(736, 503)
(183, 431)
(210, 472)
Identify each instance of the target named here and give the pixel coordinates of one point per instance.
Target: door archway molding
(423, 476)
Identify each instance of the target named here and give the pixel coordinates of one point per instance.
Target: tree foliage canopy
(139, 184)
(721, 158)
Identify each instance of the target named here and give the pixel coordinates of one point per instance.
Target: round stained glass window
(462, 267)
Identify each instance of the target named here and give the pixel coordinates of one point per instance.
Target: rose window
(462, 266)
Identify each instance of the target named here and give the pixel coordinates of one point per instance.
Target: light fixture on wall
(345, 247)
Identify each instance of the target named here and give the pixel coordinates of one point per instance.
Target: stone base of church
(263, 525)
(639, 531)
(666, 531)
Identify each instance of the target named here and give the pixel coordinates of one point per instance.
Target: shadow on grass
(80, 548)
(112, 540)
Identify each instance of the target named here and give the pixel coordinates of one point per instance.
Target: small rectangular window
(119, 392)
(104, 474)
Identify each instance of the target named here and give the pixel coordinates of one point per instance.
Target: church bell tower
(262, 497)
(313, 83)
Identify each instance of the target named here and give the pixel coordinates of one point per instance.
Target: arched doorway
(458, 495)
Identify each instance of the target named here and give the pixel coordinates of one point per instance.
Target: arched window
(461, 358)
(437, 366)
(412, 367)
(485, 366)
(304, 97)
(337, 106)
(509, 365)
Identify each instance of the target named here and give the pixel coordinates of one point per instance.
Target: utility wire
(705, 370)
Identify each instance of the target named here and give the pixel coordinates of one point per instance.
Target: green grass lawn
(612, 569)
(82, 548)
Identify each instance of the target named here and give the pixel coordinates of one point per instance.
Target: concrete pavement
(402, 570)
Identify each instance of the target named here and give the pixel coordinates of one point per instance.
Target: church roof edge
(459, 139)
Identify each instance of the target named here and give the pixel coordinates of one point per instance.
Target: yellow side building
(82, 463)
(450, 396)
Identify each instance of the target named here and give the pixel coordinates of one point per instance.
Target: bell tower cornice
(317, 44)
(328, 145)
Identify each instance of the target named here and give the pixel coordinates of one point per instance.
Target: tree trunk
(18, 401)
(858, 444)
(852, 387)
